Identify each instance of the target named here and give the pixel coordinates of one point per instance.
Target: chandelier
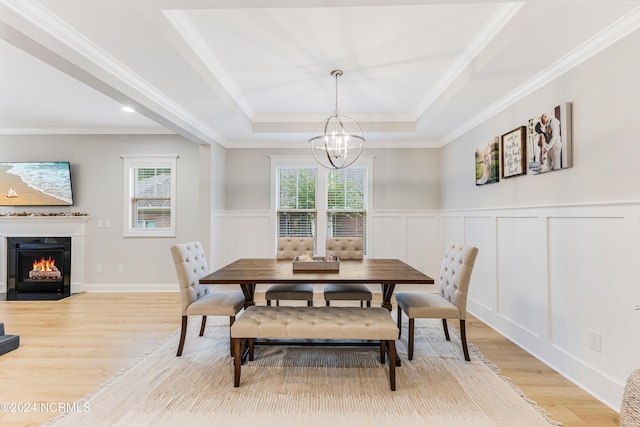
(341, 140)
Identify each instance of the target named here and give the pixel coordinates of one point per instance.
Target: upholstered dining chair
(346, 248)
(289, 248)
(451, 300)
(191, 266)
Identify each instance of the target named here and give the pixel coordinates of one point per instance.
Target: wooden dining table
(249, 272)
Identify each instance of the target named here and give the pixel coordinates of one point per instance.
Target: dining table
(249, 272)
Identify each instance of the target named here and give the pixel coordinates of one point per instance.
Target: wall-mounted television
(35, 184)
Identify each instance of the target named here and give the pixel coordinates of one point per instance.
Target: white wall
(97, 174)
(558, 250)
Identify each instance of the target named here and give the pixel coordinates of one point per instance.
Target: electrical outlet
(98, 268)
(595, 340)
(107, 223)
(120, 268)
(99, 223)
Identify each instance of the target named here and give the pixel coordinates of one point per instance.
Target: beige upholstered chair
(289, 248)
(191, 265)
(346, 248)
(451, 300)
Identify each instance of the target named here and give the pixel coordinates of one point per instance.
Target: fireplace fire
(45, 270)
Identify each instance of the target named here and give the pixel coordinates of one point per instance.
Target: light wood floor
(69, 347)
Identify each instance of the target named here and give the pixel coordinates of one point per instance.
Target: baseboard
(167, 287)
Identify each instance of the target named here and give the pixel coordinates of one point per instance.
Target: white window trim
(144, 160)
(284, 161)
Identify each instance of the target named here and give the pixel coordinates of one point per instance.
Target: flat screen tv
(35, 184)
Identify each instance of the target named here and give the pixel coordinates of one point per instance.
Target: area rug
(306, 386)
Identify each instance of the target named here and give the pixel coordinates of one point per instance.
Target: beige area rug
(306, 386)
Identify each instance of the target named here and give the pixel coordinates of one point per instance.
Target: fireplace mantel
(50, 226)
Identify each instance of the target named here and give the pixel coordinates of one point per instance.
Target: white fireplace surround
(46, 226)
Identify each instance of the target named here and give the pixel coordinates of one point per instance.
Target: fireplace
(53, 227)
(38, 267)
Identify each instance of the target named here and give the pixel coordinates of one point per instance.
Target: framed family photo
(488, 162)
(549, 141)
(514, 152)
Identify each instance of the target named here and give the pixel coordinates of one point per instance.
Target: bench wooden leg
(383, 345)
(237, 361)
(231, 320)
(392, 364)
(411, 331)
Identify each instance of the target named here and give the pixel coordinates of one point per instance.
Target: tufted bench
(330, 323)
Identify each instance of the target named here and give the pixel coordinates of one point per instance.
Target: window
(150, 186)
(347, 203)
(296, 202)
(311, 201)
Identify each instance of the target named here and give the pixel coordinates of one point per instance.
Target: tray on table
(319, 263)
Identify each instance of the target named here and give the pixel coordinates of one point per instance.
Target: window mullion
(321, 206)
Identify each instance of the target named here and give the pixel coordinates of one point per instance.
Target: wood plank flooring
(69, 347)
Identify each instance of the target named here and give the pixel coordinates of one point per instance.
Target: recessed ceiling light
(128, 109)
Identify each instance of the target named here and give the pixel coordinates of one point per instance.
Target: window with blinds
(150, 196)
(347, 203)
(296, 209)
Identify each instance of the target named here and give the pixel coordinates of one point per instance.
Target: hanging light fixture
(341, 140)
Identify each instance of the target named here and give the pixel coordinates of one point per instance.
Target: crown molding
(86, 131)
(605, 38)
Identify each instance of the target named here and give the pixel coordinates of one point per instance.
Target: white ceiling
(256, 73)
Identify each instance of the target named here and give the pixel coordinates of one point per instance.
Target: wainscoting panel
(389, 237)
(521, 284)
(249, 235)
(424, 244)
(587, 273)
(481, 233)
(217, 256)
(452, 229)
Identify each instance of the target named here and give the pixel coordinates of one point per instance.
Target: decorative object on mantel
(44, 214)
(341, 140)
(316, 263)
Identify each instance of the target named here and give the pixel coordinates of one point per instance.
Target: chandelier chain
(336, 111)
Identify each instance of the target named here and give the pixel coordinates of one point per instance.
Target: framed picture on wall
(514, 153)
(488, 162)
(549, 140)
